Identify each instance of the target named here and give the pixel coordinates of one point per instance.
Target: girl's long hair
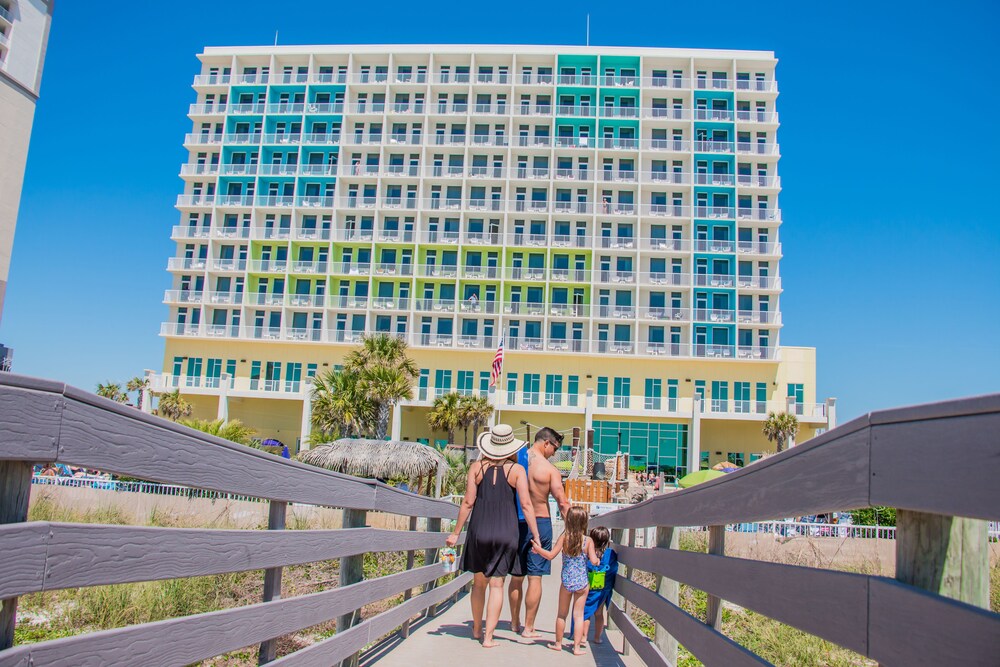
(576, 526)
(601, 537)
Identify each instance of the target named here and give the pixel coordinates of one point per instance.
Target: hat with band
(499, 442)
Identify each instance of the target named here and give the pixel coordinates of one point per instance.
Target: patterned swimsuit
(574, 570)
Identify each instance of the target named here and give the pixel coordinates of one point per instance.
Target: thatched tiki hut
(381, 459)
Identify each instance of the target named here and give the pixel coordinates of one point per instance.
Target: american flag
(497, 363)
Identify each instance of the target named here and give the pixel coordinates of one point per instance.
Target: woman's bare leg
(579, 602)
(586, 629)
(493, 608)
(564, 599)
(478, 599)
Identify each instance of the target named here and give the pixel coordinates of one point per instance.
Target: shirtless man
(543, 479)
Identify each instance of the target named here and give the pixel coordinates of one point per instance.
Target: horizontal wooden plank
(75, 555)
(29, 421)
(23, 546)
(786, 593)
(33, 383)
(182, 641)
(952, 408)
(913, 627)
(907, 470)
(703, 641)
(338, 647)
(812, 478)
(647, 651)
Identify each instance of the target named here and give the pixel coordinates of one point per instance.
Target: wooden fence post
(276, 514)
(15, 489)
(944, 555)
(430, 557)
(352, 571)
(717, 546)
(404, 630)
(667, 537)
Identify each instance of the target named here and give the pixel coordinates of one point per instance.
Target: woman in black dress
(491, 546)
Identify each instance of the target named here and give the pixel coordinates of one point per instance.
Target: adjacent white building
(24, 34)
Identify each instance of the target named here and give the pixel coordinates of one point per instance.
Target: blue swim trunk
(532, 564)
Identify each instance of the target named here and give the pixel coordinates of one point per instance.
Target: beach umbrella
(699, 477)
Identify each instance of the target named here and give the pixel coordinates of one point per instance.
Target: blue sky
(891, 234)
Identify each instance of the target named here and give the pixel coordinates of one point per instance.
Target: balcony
(237, 169)
(212, 80)
(665, 244)
(199, 109)
(758, 148)
(703, 146)
(186, 263)
(757, 85)
(768, 214)
(190, 232)
(701, 211)
(713, 114)
(714, 245)
(195, 201)
(756, 116)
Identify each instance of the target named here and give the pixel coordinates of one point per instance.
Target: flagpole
(499, 384)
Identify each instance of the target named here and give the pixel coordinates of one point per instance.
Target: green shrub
(874, 516)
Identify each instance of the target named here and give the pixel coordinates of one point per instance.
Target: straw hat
(499, 442)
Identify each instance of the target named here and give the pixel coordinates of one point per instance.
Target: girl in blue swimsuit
(577, 550)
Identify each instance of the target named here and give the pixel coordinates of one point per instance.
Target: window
(741, 397)
(602, 392)
(654, 391)
(795, 391)
(424, 380)
(531, 388)
(465, 379)
(442, 382)
(672, 395)
(736, 458)
(553, 389)
(573, 390)
(720, 396)
(761, 390)
(623, 389)
(511, 388)
(484, 382)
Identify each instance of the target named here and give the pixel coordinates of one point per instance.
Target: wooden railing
(48, 422)
(938, 464)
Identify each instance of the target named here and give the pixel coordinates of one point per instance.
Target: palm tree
(340, 406)
(233, 430)
(474, 411)
(137, 384)
(173, 406)
(456, 476)
(385, 386)
(780, 427)
(386, 375)
(445, 414)
(112, 391)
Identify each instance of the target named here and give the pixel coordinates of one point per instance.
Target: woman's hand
(451, 540)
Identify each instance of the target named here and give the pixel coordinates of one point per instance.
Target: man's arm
(556, 489)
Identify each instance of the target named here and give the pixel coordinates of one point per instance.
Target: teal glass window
(511, 388)
(465, 380)
(573, 390)
(602, 392)
(654, 393)
(672, 395)
(553, 389)
(484, 382)
(741, 397)
(532, 382)
(720, 396)
(623, 390)
(761, 391)
(442, 382)
(422, 383)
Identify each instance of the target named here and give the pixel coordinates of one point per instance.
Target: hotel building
(24, 35)
(614, 211)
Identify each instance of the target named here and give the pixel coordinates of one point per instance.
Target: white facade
(24, 32)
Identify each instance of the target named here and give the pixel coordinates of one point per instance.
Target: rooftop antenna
(588, 29)
(275, 37)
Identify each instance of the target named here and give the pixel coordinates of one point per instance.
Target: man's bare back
(543, 479)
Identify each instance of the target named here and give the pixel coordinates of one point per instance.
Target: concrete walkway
(447, 640)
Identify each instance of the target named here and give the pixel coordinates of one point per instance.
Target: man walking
(543, 479)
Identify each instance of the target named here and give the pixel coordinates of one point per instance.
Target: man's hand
(451, 540)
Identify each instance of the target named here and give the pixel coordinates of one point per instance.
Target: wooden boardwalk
(446, 639)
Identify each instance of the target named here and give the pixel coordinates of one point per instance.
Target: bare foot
(530, 634)
(579, 651)
(489, 643)
(598, 640)
(515, 628)
(583, 645)
(555, 647)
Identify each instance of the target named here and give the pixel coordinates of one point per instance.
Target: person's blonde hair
(576, 527)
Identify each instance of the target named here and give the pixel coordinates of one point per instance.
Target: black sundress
(491, 545)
